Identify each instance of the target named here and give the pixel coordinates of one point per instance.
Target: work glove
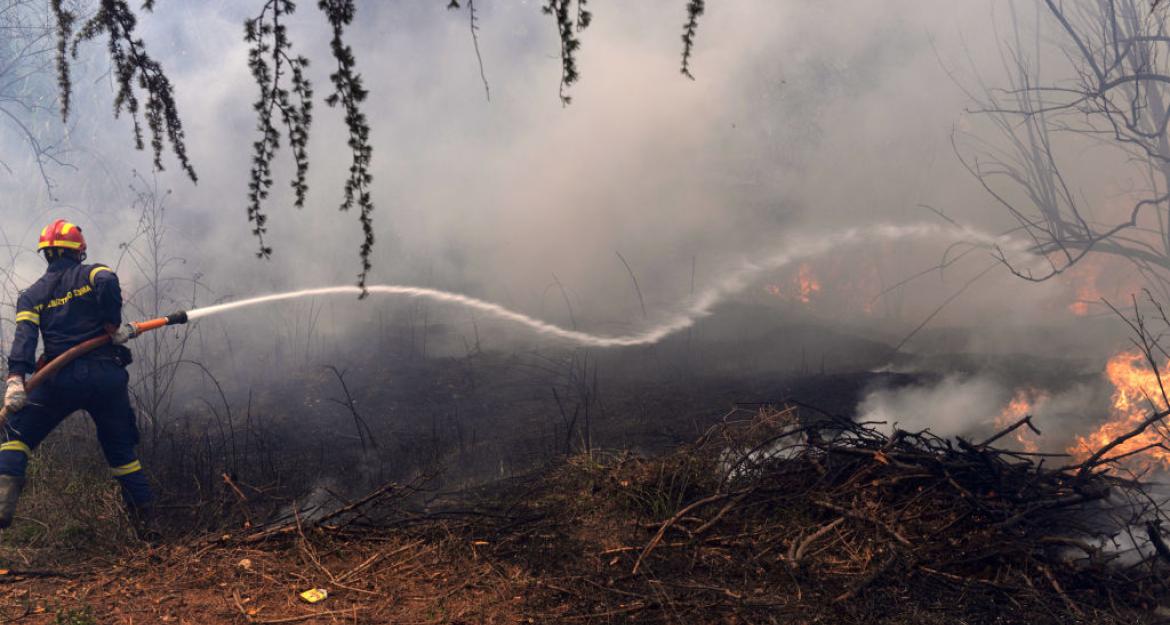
(14, 396)
(124, 333)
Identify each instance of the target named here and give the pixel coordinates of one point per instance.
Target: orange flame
(1021, 405)
(809, 285)
(1098, 277)
(1084, 281)
(804, 286)
(1136, 392)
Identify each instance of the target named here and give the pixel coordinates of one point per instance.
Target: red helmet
(62, 234)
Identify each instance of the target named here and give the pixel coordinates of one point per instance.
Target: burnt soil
(752, 523)
(534, 483)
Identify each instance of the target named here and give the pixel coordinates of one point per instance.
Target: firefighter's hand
(14, 396)
(124, 333)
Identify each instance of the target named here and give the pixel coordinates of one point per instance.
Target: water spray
(700, 306)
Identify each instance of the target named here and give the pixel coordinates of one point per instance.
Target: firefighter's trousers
(99, 387)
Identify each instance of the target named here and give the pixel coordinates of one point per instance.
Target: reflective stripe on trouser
(135, 487)
(14, 458)
(15, 446)
(126, 469)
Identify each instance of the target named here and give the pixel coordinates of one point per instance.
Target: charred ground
(747, 524)
(653, 485)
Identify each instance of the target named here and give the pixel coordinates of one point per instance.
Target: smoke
(806, 121)
(950, 407)
(981, 404)
(799, 120)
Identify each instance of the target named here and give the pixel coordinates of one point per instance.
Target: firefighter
(71, 303)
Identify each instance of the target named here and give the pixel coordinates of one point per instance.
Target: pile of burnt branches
(771, 518)
(767, 516)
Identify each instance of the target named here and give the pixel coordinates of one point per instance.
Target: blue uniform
(70, 304)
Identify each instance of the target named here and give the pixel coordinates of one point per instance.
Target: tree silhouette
(1112, 92)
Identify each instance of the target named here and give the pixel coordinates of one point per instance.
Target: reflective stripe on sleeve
(96, 270)
(28, 315)
(16, 446)
(126, 469)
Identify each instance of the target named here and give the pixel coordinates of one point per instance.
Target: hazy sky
(806, 115)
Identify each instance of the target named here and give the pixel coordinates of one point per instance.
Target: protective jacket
(71, 303)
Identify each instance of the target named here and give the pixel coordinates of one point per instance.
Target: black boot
(142, 518)
(10, 487)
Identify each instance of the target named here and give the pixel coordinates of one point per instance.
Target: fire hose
(50, 368)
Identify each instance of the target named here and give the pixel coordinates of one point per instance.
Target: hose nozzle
(172, 319)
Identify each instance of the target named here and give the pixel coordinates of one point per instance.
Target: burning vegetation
(1021, 406)
(1138, 392)
(803, 287)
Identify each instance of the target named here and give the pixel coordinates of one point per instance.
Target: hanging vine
(133, 67)
(349, 94)
(270, 61)
(695, 10)
(567, 29)
(143, 91)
